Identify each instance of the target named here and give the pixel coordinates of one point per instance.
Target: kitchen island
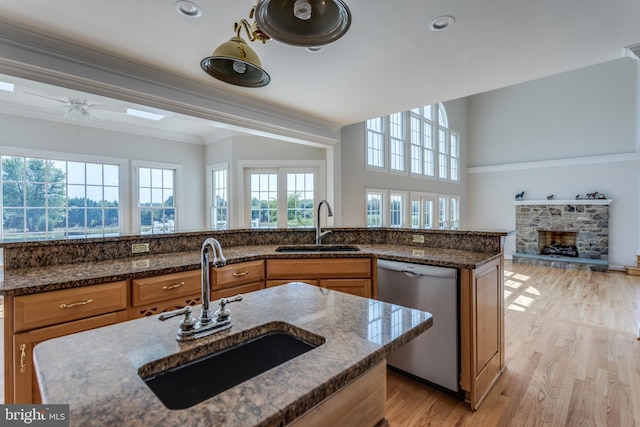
(56, 288)
(97, 372)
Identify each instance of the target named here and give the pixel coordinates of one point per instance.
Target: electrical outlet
(418, 238)
(139, 248)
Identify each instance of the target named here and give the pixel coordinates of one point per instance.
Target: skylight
(6, 86)
(144, 114)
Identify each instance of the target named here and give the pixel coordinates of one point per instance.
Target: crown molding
(628, 157)
(29, 54)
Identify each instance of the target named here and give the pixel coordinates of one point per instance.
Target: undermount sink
(318, 248)
(193, 382)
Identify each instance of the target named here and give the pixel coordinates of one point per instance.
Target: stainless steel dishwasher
(433, 356)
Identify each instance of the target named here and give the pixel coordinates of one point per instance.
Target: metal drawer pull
(75, 304)
(23, 367)
(179, 285)
(244, 273)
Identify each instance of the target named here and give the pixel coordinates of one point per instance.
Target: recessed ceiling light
(188, 8)
(144, 114)
(442, 23)
(6, 86)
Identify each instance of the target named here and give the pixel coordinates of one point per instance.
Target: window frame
(211, 189)
(317, 167)
(383, 206)
(135, 192)
(426, 144)
(123, 177)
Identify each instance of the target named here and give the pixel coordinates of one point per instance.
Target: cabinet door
(359, 287)
(481, 329)
(25, 383)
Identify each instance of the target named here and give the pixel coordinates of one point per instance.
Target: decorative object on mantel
(592, 196)
(550, 197)
(520, 196)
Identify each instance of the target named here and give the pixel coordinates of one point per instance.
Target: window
(375, 143)
(422, 148)
(300, 200)
(156, 205)
(448, 211)
(396, 141)
(219, 201)
(264, 200)
(397, 209)
(454, 166)
(422, 210)
(375, 208)
(434, 151)
(281, 197)
(53, 199)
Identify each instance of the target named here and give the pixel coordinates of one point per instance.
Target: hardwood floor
(572, 356)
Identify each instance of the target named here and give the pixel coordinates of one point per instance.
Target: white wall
(355, 178)
(568, 134)
(41, 135)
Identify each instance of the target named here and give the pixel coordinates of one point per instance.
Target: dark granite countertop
(41, 279)
(96, 372)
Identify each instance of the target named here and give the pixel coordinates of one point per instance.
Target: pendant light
(303, 22)
(235, 62)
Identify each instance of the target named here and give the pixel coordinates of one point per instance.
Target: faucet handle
(223, 312)
(169, 314)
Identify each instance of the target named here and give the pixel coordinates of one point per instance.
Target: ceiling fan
(78, 109)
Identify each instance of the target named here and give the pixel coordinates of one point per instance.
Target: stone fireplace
(572, 234)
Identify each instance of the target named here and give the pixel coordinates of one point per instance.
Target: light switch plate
(418, 238)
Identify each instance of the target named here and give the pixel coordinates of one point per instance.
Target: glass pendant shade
(303, 22)
(236, 63)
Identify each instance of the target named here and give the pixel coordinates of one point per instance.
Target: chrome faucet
(319, 233)
(208, 323)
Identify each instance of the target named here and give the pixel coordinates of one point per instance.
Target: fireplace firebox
(558, 243)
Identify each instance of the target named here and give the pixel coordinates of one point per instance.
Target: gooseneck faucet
(319, 233)
(206, 316)
(207, 323)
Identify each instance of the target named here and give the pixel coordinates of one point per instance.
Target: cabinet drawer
(237, 274)
(65, 305)
(314, 268)
(165, 287)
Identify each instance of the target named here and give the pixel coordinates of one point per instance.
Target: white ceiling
(388, 61)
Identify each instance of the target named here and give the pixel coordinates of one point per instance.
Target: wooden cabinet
(38, 317)
(481, 329)
(351, 275)
(65, 305)
(166, 292)
(234, 279)
(25, 383)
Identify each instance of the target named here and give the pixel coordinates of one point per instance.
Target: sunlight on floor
(515, 282)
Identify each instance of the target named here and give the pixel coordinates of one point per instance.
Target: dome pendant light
(236, 63)
(303, 22)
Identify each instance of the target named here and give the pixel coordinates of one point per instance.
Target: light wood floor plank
(572, 355)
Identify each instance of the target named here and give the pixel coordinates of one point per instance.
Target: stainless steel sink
(193, 382)
(318, 248)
